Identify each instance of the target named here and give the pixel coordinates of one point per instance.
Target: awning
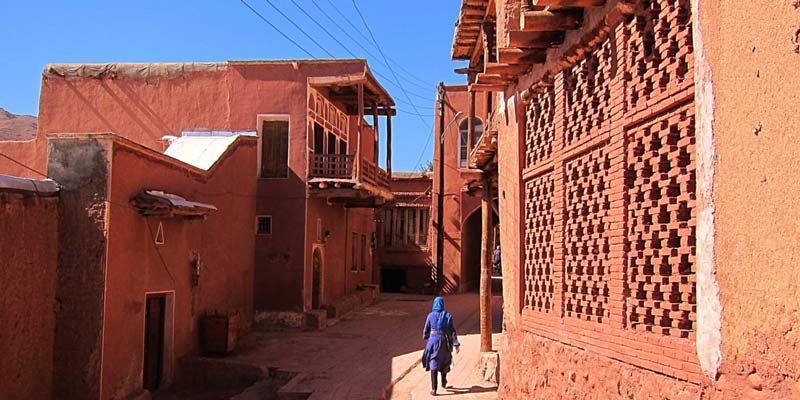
(162, 204)
(41, 187)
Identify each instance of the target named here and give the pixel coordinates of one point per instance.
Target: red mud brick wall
(606, 299)
(753, 53)
(28, 258)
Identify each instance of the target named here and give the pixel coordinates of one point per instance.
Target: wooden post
(486, 264)
(389, 142)
(470, 125)
(357, 158)
(377, 131)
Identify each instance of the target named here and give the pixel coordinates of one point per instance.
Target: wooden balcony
(336, 178)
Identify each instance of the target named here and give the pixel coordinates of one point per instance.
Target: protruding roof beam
(504, 69)
(568, 3)
(521, 56)
(535, 40)
(557, 20)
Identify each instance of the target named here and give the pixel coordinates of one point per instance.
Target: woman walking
(440, 332)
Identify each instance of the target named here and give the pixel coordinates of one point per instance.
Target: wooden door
(316, 280)
(154, 341)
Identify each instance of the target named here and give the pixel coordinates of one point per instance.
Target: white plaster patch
(709, 308)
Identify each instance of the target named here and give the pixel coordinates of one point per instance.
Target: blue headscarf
(444, 317)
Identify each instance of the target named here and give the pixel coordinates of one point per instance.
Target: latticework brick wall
(609, 203)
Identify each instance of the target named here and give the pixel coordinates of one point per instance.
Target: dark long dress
(437, 355)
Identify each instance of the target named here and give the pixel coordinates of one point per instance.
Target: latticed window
(406, 227)
(463, 130)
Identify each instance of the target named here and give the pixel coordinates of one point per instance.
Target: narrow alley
(373, 352)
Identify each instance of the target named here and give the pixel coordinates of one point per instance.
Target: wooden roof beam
(557, 20)
(521, 56)
(535, 40)
(568, 3)
(504, 69)
(477, 87)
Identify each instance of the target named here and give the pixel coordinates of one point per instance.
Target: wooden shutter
(275, 149)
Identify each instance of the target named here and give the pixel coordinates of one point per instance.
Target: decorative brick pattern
(587, 92)
(660, 192)
(538, 272)
(659, 51)
(540, 128)
(586, 242)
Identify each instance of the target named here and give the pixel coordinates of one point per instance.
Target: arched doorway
(471, 250)
(316, 280)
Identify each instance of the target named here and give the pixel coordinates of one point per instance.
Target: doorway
(155, 313)
(471, 233)
(316, 280)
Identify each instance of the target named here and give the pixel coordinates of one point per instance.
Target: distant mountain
(17, 127)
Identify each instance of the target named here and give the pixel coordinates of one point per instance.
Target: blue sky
(415, 35)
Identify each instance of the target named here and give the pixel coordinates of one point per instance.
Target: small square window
(264, 225)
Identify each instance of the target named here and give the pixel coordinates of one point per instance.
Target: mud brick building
(404, 237)
(620, 147)
(235, 188)
(462, 223)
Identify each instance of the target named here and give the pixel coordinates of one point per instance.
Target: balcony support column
(357, 160)
(375, 124)
(389, 144)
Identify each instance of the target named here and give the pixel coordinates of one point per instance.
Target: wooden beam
(375, 127)
(389, 145)
(486, 79)
(486, 264)
(357, 166)
(466, 70)
(535, 40)
(557, 20)
(486, 88)
(382, 111)
(568, 3)
(504, 69)
(521, 56)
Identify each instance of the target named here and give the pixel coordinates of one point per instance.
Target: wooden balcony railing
(373, 174)
(339, 166)
(336, 166)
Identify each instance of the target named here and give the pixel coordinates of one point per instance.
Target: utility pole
(440, 198)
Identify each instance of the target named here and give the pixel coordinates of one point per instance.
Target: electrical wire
(338, 11)
(424, 122)
(278, 30)
(300, 28)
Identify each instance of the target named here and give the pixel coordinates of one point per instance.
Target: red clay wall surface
(29, 248)
(458, 203)
(144, 109)
(754, 68)
(137, 266)
(600, 173)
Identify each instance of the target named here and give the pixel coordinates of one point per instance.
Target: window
(412, 226)
(354, 252)
(363, 252)
(406, 227)
(264, 225)
(463, 129)
(319, 137)
(343, 147)
(275, 149)
(387, 226)
(423, 227)
(331, 143)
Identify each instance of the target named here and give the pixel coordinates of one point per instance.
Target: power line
(424, 122)
(338, 11)
(22, 165)
(278, 30)
(352, 54)
(300, 29)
